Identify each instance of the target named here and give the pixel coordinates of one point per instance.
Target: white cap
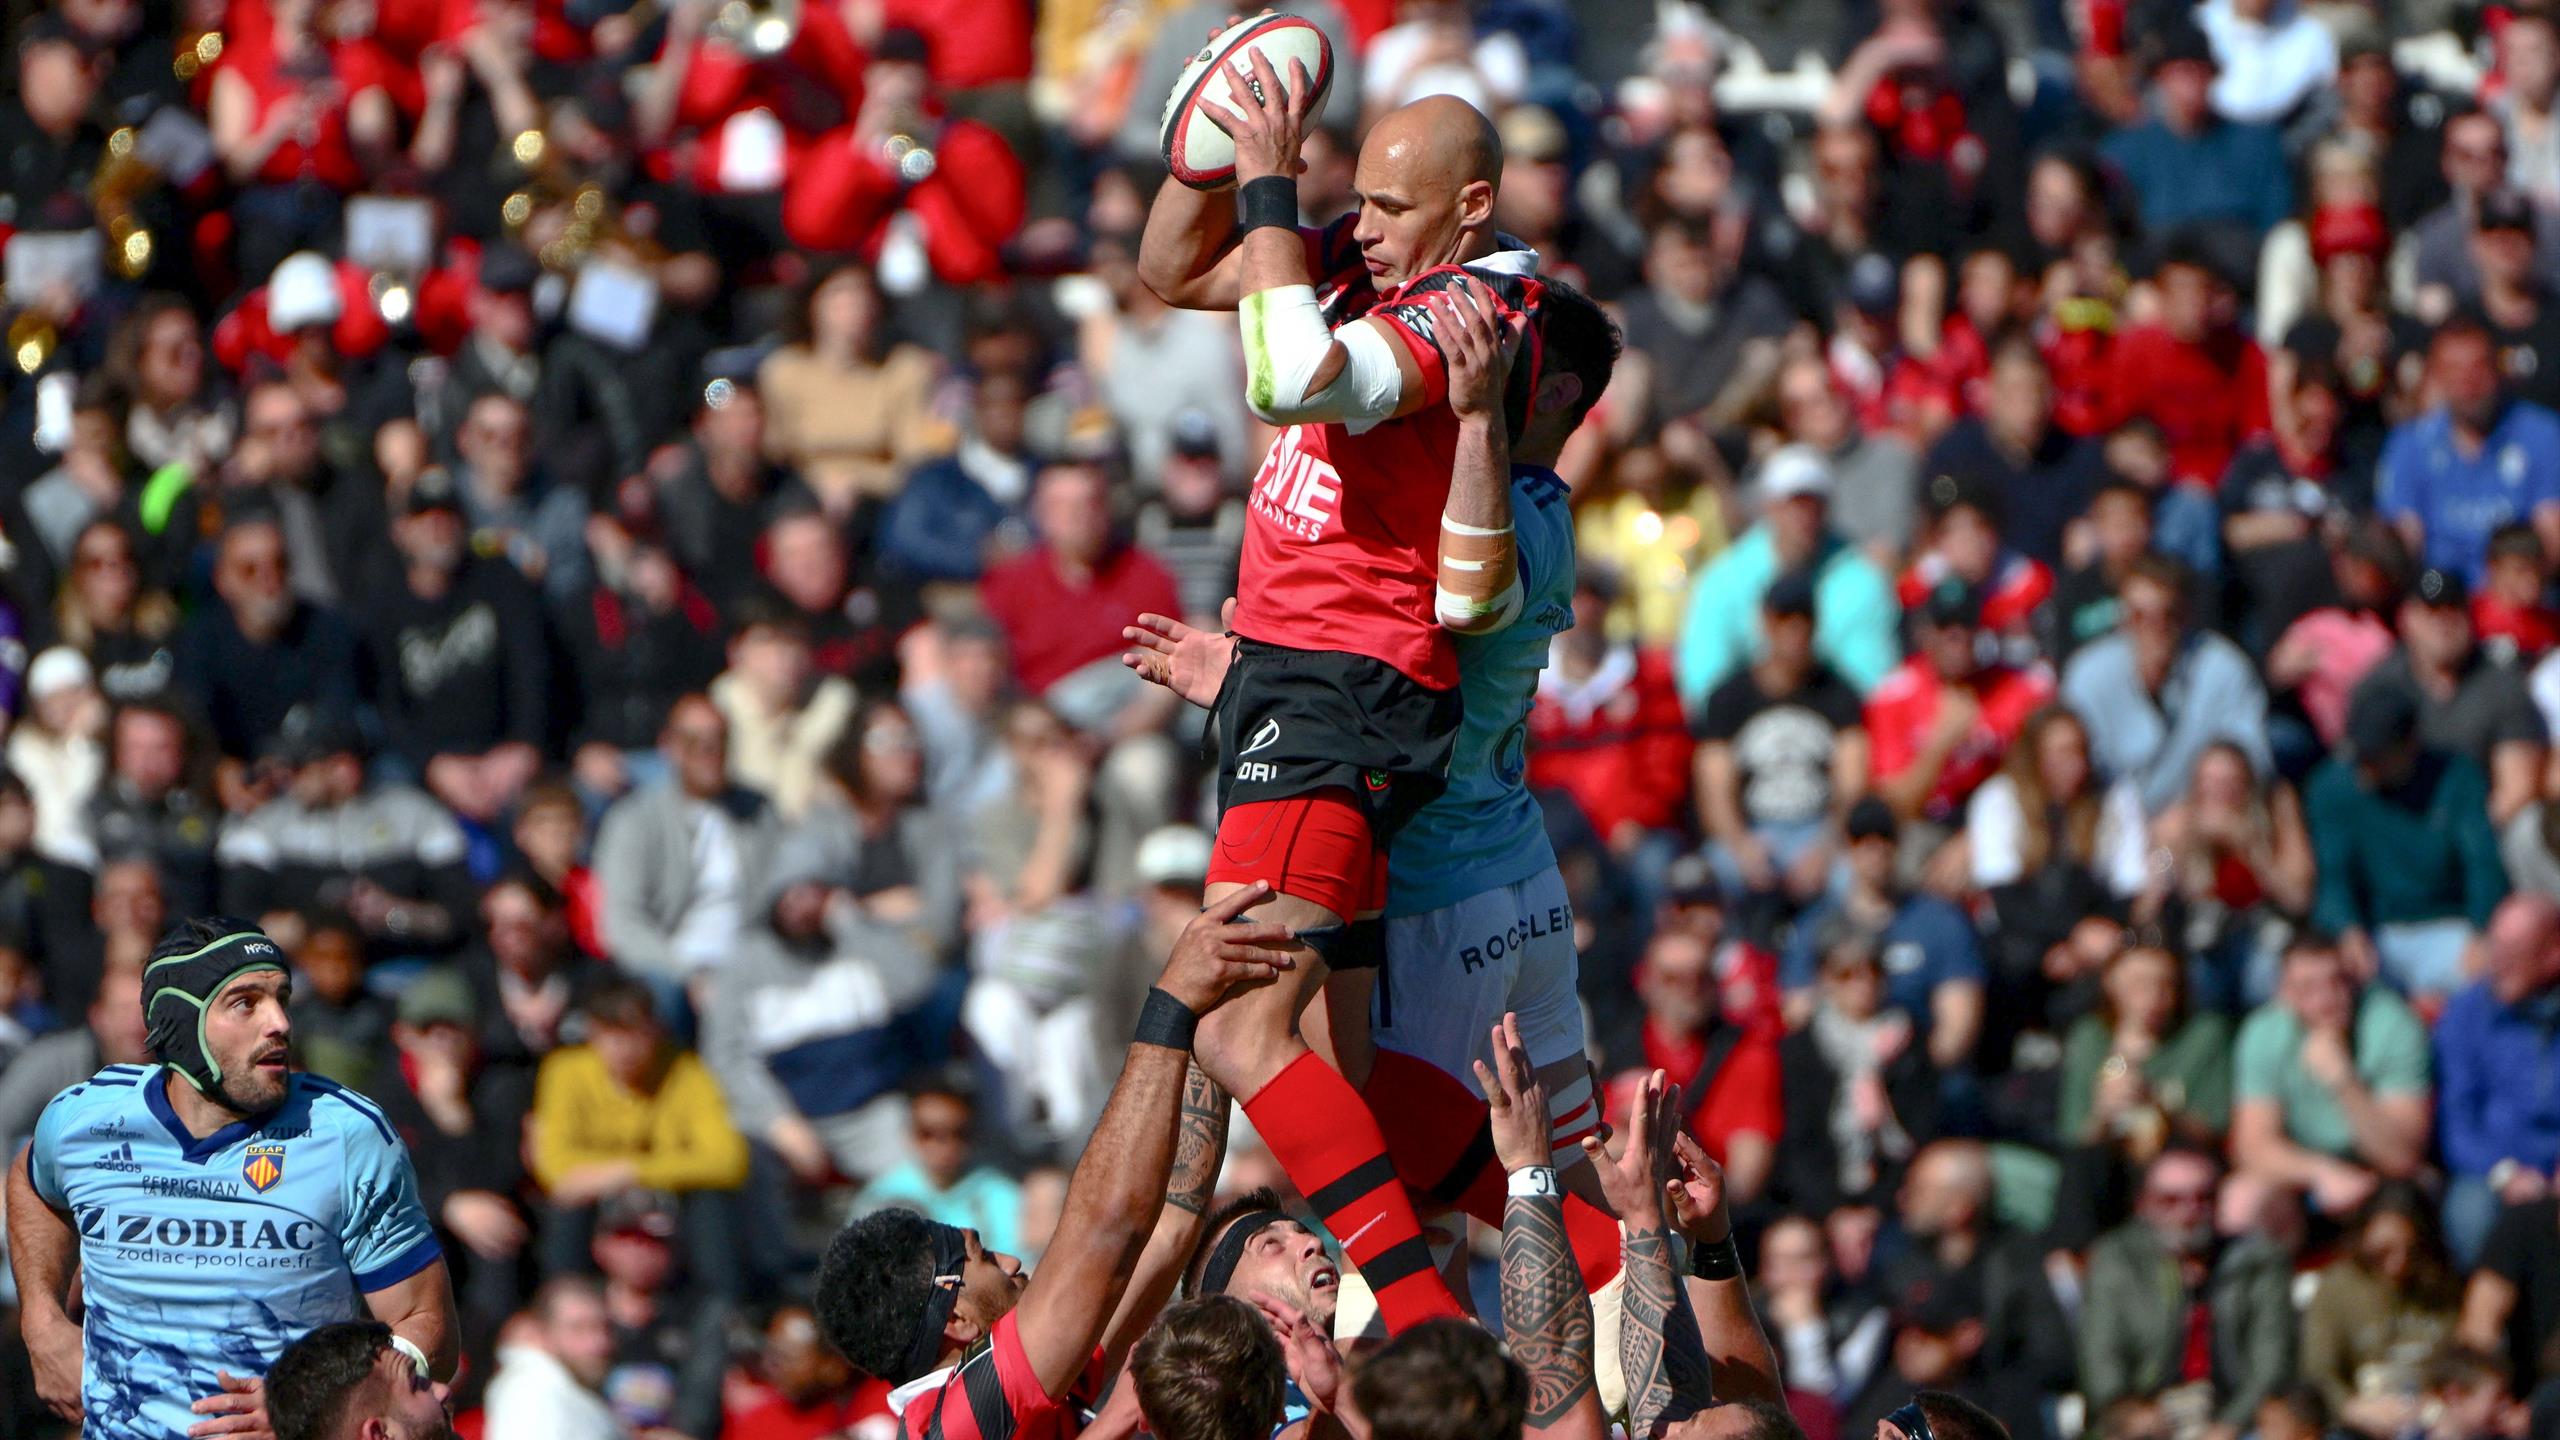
(56, 670)
(303, 292)
(1793, 470)
(1173, 855)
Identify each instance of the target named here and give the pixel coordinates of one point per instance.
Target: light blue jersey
(200, 1255)
(1486, 830)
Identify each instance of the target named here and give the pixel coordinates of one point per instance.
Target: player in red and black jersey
(1338, 715)
(976, 1350)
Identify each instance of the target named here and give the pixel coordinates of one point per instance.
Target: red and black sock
(1322, 1133)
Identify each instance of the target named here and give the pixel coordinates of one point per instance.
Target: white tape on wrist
(1459, 612)
(1533, 1181)
(417, 1357)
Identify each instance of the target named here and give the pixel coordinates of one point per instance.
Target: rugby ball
(1196, 151)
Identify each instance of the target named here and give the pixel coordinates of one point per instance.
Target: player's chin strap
(950, 1263)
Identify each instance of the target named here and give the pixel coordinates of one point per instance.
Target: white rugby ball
(1200, 154)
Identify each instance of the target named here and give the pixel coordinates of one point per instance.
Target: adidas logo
(121, 1159)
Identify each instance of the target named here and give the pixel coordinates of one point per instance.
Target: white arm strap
(1286, 342)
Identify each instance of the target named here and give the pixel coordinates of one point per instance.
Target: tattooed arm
(1546, 1316)
(1667, 1375)
(1199, 1149)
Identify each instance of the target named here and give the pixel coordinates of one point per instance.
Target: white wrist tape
(1479, 574)
(417, 1357)
(1530, 1181)
(1285, 344)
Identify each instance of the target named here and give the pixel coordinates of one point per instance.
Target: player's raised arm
(1479, 569)
(1546, 1313)
(44, 1252)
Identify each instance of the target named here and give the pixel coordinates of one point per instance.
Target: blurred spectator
(2382, 1307)
(1063, 601)
(1654, 523)
(2172, 1303)
(1932, 961)
(1993, 1277)
(2320, 658)
(1858, 1089)
(528, 984)
(1831, 1336)
(1782, 754)
(512, 507)
(1964, 542)
(1159, 369)
(282, 466)
(2144, 1069)
(2044, 477)
(56, 747)
(644, 637)
(2466, 704)
(2514, 296)
(2272, 54)
(874, 835)
(2511, 1303)
(2084, 608)
(110, 1033)
(1606, 732)
(1940, 1346)
(815, 1022)
(552, 1364)
(680, 861)
(340, 1029)
(2236, 854)
(628, 1111)
(2500, 1137)
(576, 396)
(88, 484)
(782, 714)
(464, 673)
(1942, 721)
(387, 856)
(2196, 374)
(2277, 497)
(814, 1391)
(667, 1353)
(2529, 61)
(853, 624)
(2161, 689)
(2330, 1080)
(1854, 608)
(845, 407)
(2046, 807)
(2409, 869)
(105, 613)
(2185, 164)
(1727, 1068)
(1874, 475)
(956, 515)
(157, 801)
(2479, 460)
(712, 496)
(945, 1180)
(958, 712)
(1194, 525)
(1708, 329)
(248, 660)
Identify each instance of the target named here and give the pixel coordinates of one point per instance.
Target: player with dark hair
(347, 1381)
(1210, 1370)
(215, 1205)
(1941, 1415)
(974, 1347)
(1446, 1380)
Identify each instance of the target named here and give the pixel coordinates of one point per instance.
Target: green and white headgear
(187, 969)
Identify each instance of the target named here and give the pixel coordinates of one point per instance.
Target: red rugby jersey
(992, 1394)
(1342, 536)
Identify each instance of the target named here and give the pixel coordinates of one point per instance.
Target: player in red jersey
(977, 1351)
(1338, 716)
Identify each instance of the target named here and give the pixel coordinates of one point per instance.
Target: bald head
(1426, 179)
(1948, 1188)
(2524, 946)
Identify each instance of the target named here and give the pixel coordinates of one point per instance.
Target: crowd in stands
(606, 530)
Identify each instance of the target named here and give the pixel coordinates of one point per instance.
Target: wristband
(1535, 1182)
(1271, 200)
(1165, 1021)
(1720, 1261)
(409, 1347)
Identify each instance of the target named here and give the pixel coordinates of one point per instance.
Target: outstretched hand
(1220, 952)
(1696, 1192)
(1191, 663)
(1633, 1179)
(1518, 1102)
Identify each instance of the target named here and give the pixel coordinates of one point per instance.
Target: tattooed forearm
(1665, 1362)
(1545, 1312)
(1200, 1145)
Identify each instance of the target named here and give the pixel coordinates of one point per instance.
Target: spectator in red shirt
(809, 1392)
(2514, 625)
(299, 118)
(1727, 1071)
(2196, 374)
(1941, 723)
(1965, 543)
(1607, 728)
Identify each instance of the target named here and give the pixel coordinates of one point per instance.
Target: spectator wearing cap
(1707, 328)
(1872, 472)
(57, 749)
(1171, 865)
(50, 142)
(2399, 123)
(2044, 477)
(2347, 321)
(847, 408)
(158, 800)
(678, 860)
(2196, 374)
(247, 660)
(2161, 689)
(460, 659)
(1152, 365)
(1782, 755)
(1932, 960)
(946, 1180)
(821, 1014)
(2271, 56)
(1854, 609)
(386, 855)
(2501, 1139)
(1725, 1064)
(956, 515)
(2515, 295)
(449, 1105)
(2442, 275)
(514, 506)
(2409, 868)
(2479, 460)
(2528, 106)
(1195, 521)
(2168, 1301)
(2277, 499)
(1942, 721)
(2184, 163)
(2467, 704)
(1606, 732)
(712, 498)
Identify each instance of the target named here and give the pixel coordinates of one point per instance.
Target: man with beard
(215, 1205)
(249, 660)
(348, 1381)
